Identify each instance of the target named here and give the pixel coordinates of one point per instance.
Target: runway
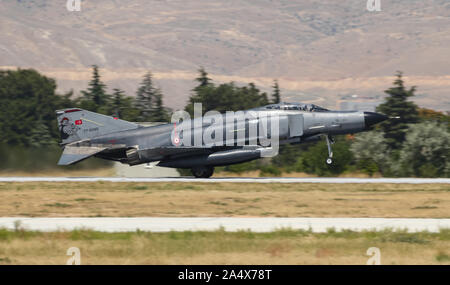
(235, 180)
(228, 224)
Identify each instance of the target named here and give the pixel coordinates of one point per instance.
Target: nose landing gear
(330, 141)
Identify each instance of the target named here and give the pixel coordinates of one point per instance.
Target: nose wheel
(330, 141)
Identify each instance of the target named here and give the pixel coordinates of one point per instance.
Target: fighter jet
(204, 142)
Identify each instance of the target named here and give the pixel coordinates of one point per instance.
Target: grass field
(76, 199)
(97, 199)
(280, 247)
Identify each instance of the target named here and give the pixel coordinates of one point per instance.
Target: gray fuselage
(184, 145)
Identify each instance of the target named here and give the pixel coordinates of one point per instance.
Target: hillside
(319, 50)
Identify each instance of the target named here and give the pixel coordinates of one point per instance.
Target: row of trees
(414, 144)
(146, 106)
(29, 100)
(29, 134)
(228, 96)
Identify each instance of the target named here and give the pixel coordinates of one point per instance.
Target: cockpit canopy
(296, 106)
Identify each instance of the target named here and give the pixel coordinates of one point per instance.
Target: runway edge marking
(235, 180)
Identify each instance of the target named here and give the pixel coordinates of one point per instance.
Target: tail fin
(78, 124)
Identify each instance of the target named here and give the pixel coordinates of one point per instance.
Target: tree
(145, 96)
(425, 152)
(149, 102)
(95, 97)
(40, 136)
(29, 133)
(128, 111)
(276, 96)
(224, 97)
(371, 152)
(397, 105)
(159, 112)
(122, 106)
(201, 93)
(313, 160)
(227, 97)
(203, 78)
(117, 102)
(28, 102)
(288, 156)
(432, 115)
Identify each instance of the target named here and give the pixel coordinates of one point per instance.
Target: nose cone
(371, 118)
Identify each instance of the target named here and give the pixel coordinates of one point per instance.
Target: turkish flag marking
(78, 122)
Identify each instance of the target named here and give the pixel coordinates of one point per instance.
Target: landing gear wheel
(202, 171)
(330, 141)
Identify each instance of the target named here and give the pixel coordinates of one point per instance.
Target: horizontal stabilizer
(74, 154)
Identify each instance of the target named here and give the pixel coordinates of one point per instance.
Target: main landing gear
(202, 171)
(330, 141)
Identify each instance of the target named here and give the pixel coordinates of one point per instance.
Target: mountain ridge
(318, 50)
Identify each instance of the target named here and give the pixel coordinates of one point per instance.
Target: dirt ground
(106, 199)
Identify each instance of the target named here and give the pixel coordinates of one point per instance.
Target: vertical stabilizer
(78, 124)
